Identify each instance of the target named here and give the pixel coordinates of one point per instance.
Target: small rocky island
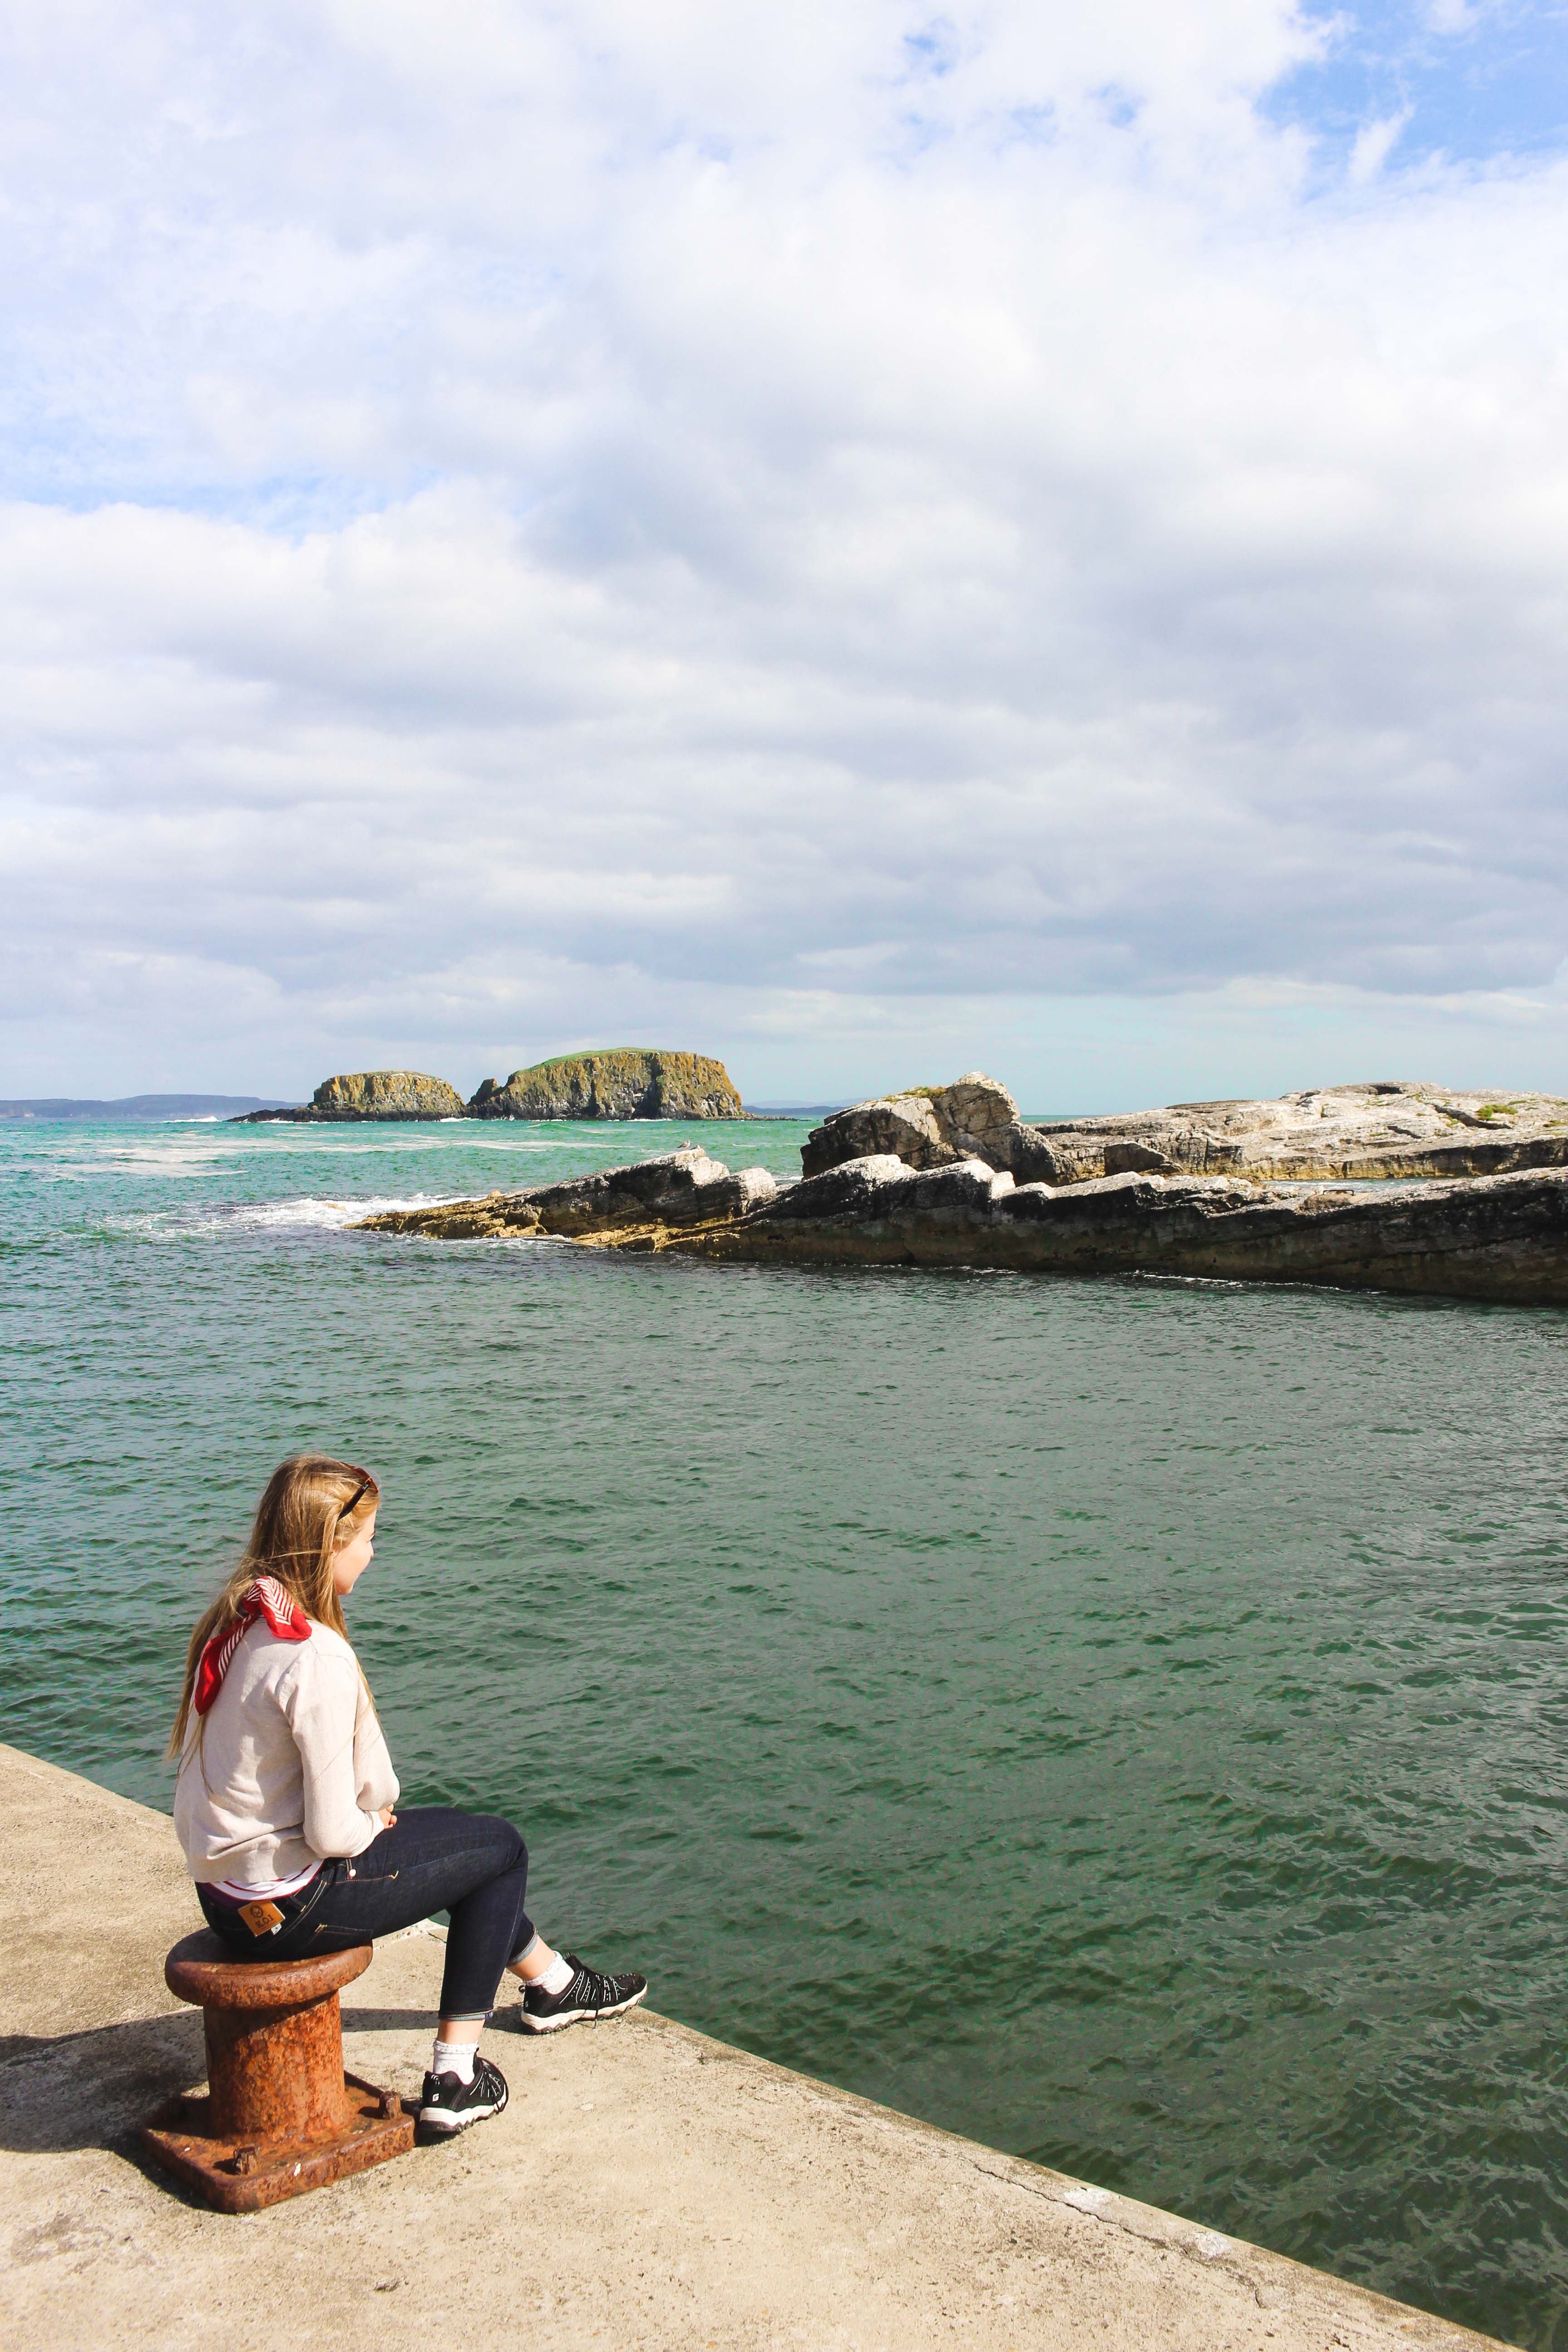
(628, 1084)
(370, 1094)
(951, 1176)
(632, 1082)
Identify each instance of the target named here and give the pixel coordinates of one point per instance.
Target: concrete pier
(646, 2188)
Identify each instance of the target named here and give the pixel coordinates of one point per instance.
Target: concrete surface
(645, 2187)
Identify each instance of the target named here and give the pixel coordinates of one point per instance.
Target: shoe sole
(446, 2125)
(578, 2016)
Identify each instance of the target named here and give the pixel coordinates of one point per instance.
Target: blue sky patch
(1476, 83)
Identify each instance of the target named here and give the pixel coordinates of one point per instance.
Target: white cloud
(525, 523)
(1373, 145)
(1451, 17)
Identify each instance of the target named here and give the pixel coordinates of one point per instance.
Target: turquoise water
(1123, 1720)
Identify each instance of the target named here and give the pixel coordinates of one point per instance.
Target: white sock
(455, 2058)
(557, 1977)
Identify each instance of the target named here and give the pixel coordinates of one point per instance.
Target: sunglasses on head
(366, 1484)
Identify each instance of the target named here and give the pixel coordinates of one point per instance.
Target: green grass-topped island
(628, 1083)
(624, 1082)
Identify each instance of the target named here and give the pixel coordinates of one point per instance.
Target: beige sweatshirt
(287, 1767)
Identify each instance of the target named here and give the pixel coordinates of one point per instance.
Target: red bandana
(266, 1598)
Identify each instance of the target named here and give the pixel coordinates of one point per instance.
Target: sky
(865, 541)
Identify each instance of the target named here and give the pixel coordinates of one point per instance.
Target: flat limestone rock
(372, 1095)
(1382, 1128)
(628, 1083)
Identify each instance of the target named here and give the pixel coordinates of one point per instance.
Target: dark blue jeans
(473, 1865)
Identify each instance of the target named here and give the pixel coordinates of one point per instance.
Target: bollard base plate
(236, 2177)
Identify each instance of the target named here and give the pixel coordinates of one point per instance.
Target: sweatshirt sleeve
(378, 1782)
(321, 1699)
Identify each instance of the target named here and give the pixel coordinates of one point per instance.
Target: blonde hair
(312, 1506)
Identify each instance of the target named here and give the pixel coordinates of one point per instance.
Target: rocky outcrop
(1497, 1237)
(374, 1094)
(953, 1176)
(1384, 1127)
(645, 1206)
(902, 1126)
(1503, 1238)
(1380, 1127)
(625, 1084)
(933, 1126)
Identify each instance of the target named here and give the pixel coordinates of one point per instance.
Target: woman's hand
(388, 1818)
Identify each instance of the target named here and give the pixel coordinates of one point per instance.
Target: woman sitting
(284, 1803)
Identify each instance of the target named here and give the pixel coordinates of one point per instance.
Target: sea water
(1121, 1719)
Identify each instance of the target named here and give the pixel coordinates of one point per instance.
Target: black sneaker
(589, 1994)
(448, 2104)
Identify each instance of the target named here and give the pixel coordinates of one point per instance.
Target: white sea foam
(146, 1160)
(306, 1212)
(312, 1211)
(296, 1141)
(187, 1157)
(170, 1156)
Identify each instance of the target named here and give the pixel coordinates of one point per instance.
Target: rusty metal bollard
(280, 2116)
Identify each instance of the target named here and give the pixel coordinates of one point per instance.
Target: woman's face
(350, 1559)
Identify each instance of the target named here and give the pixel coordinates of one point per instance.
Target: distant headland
(628, 1082)
(131, 1107)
